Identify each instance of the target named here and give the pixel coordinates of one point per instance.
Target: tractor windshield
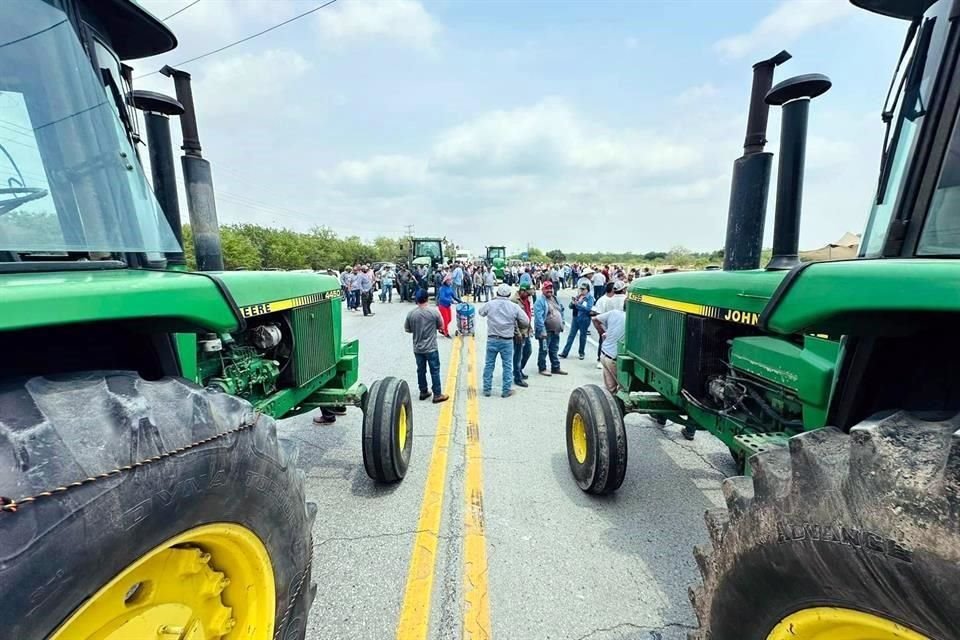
(428, 249)
(496, 252)
(70, 182)
(912, 96)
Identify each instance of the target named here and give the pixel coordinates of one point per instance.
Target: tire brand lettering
(181, 489)
(41, 595)
(277, 494)
(843, 535)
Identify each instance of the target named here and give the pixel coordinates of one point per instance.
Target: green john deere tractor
(497, 260)
(834, 384)
(143, 490)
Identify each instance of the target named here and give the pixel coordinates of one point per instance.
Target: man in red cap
(548, 325)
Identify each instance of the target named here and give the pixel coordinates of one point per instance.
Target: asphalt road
(520, 552)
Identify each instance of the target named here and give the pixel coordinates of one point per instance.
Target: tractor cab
(73, 195)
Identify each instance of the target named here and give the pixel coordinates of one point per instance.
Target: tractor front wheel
(596, 440)
(387, 430)
(144, 509)
(839, 536)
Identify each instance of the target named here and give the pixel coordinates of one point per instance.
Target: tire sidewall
(583, 472)
(81, 540)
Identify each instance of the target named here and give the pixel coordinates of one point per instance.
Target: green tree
(556, 255)
(239, 252)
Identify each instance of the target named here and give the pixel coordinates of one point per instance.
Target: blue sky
(572, 125)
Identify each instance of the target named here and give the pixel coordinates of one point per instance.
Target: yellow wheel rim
(211, 582)
(829, 623)
(402, 428)
(579, 437)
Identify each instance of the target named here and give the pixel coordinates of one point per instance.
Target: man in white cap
(502, 316)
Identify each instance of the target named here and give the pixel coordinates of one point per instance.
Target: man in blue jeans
(581, 305)
(503, 317)
(547, 326)
(424, 322)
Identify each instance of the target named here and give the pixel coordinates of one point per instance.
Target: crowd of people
(522, 308)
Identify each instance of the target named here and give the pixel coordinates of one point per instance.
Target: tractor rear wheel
(387, 430)
(134, 508)
(596, 440)
(839, 536)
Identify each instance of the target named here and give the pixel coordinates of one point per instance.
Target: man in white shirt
(599, 282)
(611, 325)
(615, 298)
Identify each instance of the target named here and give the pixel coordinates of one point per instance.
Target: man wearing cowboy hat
(502, 317)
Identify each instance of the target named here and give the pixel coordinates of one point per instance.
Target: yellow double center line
(415, 615)
(476, 610)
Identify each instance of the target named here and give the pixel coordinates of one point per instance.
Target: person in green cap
(522, 346)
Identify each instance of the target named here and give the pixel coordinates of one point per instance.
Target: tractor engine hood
(734, 296)
(171, 300)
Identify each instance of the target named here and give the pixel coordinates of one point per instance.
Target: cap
(619, 285)
(547, 284)
(504, 291)
(526, 286)
(584, 285)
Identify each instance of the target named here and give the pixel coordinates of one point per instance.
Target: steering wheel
(18, 196)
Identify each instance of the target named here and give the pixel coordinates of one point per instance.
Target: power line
(178, 11)
(248, 38)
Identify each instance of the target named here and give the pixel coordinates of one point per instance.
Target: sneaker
(546, 373)
(581, 356)
(688, 432)
(559, 372)
(599, 366)
(424, 395)
(507, 394)
(322, 419)
(486, 394)
(563, 355)
(521, 383)
(440, 398)
(524, 376)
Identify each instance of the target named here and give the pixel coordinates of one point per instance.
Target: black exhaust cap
(794, 96)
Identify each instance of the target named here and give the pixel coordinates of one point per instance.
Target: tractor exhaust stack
(157, 109)
(793, 95)
(751, 177)
(198, 179)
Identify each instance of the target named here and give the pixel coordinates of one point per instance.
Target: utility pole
(409, 228)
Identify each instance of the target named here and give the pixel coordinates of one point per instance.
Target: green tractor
(833, 384)
(426, 252)
(144, 492)
(496, 259)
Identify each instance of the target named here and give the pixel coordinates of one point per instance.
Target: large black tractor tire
(118, 466)
(387, 430)
(596, 440)
(867, 522)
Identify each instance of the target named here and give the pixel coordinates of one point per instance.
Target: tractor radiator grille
(314, 338)
(656, 336)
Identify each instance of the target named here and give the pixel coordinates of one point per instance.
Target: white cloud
(236, 85)
(404, 21)
(787, 23)
(382, 175)
(550, 138)
(697, 93)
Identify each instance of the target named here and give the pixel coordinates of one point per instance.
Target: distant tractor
(496, 259)
(144, 492)
(833, 384)
(426, 252)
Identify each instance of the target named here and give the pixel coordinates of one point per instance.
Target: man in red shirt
(522, 346)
